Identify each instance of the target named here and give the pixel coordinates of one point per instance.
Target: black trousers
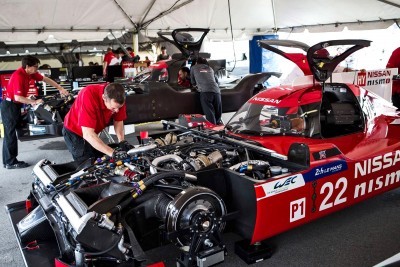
(11, 116)
(80, 149)
(212, 106)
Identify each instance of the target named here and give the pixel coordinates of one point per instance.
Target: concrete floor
(362, 235)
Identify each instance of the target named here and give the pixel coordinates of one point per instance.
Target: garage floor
(362, 235)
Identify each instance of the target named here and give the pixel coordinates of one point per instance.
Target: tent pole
(135, 43)
(274, 15)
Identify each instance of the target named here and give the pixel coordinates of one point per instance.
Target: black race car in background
(157, 95)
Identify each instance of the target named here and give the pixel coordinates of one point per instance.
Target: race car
(288, 156)
(156, 89)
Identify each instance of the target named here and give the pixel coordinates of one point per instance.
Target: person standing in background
(394, 62)
(163, 55)
(79, 59)
(202, 76)
(107, 59)
(130, 51)
(16, 95)
(147, 61)
(118, 55)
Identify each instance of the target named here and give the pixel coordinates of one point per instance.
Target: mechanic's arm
(119, 130)
(105, 68)
(94, 140)
(56, 85)
(27, 100)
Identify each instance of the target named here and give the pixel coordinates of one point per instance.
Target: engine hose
(161, 207)
(148, 161)
(161, 159)
(143, 184)
(156, 206)
(121, 206)
(158, 176)
(172, 188)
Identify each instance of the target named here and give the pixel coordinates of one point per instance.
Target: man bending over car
(91, 112)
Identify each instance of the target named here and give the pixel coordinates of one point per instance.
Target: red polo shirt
(90, 111)
(394, 62)
(19, 83)
(108, 57)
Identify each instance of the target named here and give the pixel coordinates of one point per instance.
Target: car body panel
(163, 101)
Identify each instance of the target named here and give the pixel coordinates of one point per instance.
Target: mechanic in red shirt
(184, 77)
(91, 112)
(107, 60)
(394, 62)
(16, 95)
(130, 51)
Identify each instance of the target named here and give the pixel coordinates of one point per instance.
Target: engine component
(203, 161)
(198, 210)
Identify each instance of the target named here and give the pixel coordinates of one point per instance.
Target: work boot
(18, 165)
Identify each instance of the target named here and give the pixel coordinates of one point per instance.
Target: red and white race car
(290, 155)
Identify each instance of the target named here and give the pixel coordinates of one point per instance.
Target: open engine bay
(183, 187)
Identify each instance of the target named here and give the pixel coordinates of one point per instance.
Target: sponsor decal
(369, 184)
(377, 163)
(266, 100)
(325, 170)
(282, 185)
(297, 209)
(374, 77)
(324, 154)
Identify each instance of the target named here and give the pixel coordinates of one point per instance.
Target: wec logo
(288, 181)
(282, 185)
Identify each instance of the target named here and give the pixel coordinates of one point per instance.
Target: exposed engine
(167, 190)
(46, 118)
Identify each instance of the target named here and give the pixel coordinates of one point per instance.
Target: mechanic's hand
(124, 145)
(37, 102)
(63, 91)
(119, 154)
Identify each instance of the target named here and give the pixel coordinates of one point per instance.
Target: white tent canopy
(52, 21)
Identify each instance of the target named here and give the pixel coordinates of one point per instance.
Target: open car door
(187, 40)
(299, 58)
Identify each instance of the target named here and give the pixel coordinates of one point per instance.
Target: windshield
(153, 75)
(259, 119)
